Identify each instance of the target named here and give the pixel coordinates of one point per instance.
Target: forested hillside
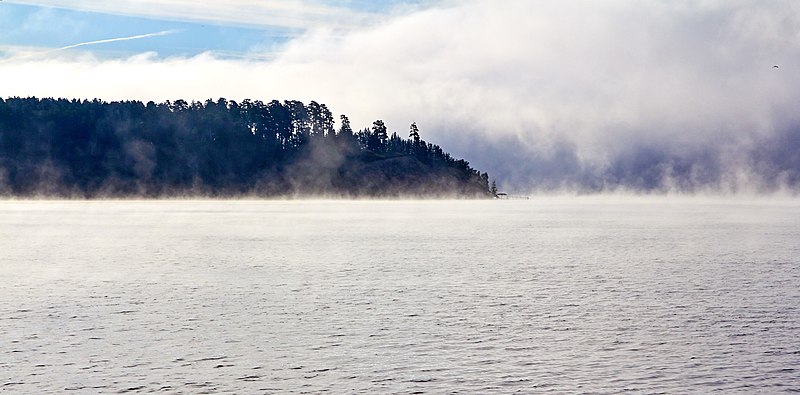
(89, 149)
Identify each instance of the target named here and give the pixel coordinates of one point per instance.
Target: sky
(645, 95)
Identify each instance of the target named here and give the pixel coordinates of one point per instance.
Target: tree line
(82, 148)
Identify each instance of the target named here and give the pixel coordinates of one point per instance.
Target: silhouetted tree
(413, 133)
(380, 136)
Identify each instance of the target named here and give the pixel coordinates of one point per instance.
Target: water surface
(562, 295)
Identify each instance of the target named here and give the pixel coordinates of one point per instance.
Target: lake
(597, 294)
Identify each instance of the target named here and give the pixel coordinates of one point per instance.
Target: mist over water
(561, 295)
(551, 95)
(766, 165)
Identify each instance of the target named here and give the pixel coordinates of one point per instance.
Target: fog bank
(546, 95)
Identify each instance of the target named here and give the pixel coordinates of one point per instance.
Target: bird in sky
(775, 67)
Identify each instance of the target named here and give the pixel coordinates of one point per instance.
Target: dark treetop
(87, 149)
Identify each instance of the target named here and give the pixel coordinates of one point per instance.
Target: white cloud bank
(553, 93)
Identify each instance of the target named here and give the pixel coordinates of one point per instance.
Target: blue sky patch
(46, 28)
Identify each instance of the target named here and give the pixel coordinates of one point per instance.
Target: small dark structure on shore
(505, 196)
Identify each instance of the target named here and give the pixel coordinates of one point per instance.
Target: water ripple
(400, 297)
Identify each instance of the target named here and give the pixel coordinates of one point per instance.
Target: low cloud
(644, 95)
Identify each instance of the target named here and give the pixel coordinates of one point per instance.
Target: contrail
(108, 40)
(111, 40)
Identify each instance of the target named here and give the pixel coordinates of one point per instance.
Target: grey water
(549, 295)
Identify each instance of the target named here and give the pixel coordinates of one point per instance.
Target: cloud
(648, 95)
(296, 14)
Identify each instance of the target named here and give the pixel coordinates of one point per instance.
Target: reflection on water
(546, 295)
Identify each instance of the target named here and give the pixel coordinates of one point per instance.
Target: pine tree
(414, 133)
(381, 135)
